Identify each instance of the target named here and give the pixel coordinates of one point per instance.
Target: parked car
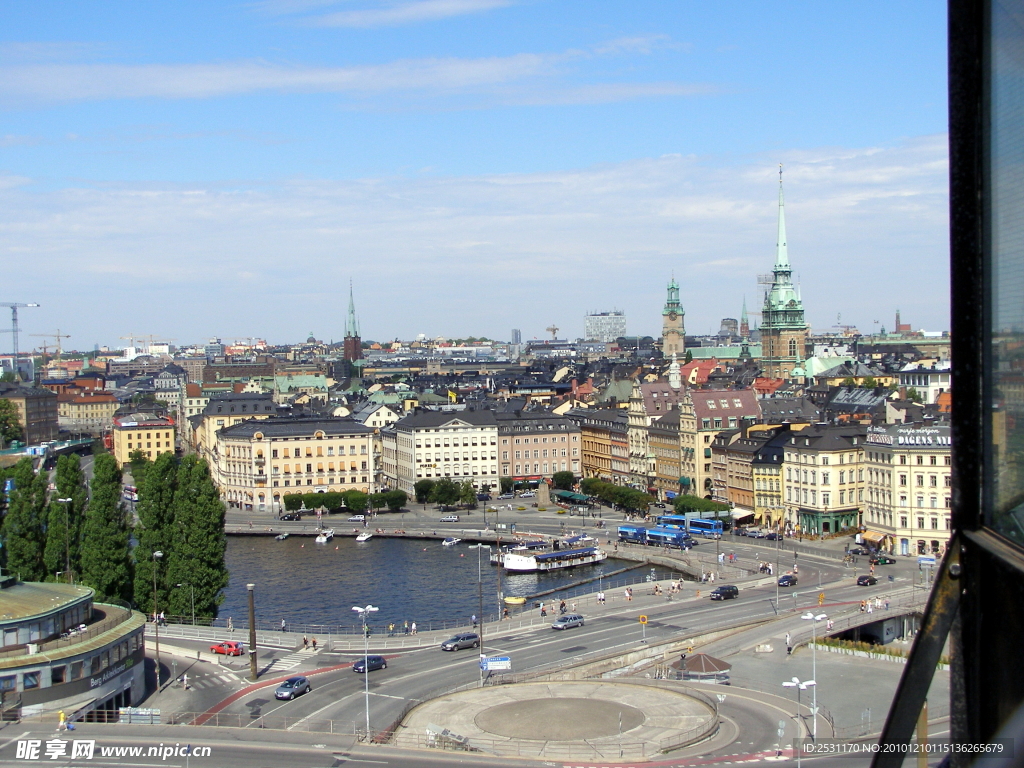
(450, 519)
(788, 580)
(866, 581)
(292, 687)
(881, 560)
(568, 621)
(528, 495)
(229, 648)
(860, 551)
(291, 516)
(370, 663)
(357, 519)
(773, 537)
(659, 505)
(507, 496)
(725, 592)
(460, 641)
(483, 497)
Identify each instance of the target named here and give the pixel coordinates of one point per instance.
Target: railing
(112, 616)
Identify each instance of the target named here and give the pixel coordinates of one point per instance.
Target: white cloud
(394, 14)
(460, 255)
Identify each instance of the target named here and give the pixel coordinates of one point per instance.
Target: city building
(146, 432)
(352, 346)
(226, 410)
(929, 378)
(257, 461)
(784, 333)
(61, 650)
(434, 444)
(535, 445)
(605, 436)
(824, 478)
(377, 415)
(663, 443)
(705, 413)
(37, 411)
(642, 469)
(86, 411)
(604, 326)
(766, 468)
(673, 323)
(909, 488)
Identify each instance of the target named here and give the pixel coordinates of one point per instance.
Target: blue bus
(711, 528)
(635, 534)
(672, 521)
(669, 537)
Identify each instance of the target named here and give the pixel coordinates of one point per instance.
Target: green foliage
(197, 543)
(356, 501)
(378, 500)
(622, 496)
(9, 377)
(396, 500)
(155, 509)
(849, 381)
(688, 358)
(914, 396)
(106, 556)
(445, 491)
(467, 494)
(139, 463)
(505, 484)
(589, 485)
(422, 489)
(292, 501)
(869, 382)
(685, 503)
(10, 424)
(65, 519)
(24, 524)
(563, 481)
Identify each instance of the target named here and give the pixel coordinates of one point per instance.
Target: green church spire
(781, 249)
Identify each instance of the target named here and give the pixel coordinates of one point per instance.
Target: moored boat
(281, 536)
(515, 600)
(325, 535)
(553, 561)
(450, 541)
(366, 536)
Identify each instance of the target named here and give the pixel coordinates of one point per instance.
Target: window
(903, 521)
(920, 522)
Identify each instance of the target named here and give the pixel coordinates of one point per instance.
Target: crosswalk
(292, 660)
(212, 680)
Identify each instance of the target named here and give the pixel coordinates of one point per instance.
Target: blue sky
(200, 169)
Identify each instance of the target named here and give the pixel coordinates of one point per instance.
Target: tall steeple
(673, 323)
(781, 250)
(352, 324)
(744, 322)
(352, 348)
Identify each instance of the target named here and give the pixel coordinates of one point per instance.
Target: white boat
(325, 535)
(450, 541)
(281, 536)
(365, 536)
(553, 561)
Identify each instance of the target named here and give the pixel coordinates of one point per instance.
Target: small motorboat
(450, 541)
(366, 536)
(281, 536)
(515, 600)
(325, 535)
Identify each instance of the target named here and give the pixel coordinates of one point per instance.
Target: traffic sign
(926, 560)
(492, 663)
(643, 618)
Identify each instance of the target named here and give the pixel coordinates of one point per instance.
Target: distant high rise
(673, 325)
(730, 328)
(352, 348)
(783, 329)
(604, 326)
(517, 336)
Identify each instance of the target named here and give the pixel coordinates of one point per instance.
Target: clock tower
(673, 328)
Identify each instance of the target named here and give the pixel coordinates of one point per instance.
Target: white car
(357, 519)
(450, 519)
(528, 495)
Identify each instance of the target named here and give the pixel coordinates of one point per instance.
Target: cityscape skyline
(470, 167)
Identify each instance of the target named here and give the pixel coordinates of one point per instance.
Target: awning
(738, 513)
(684, 481)
(873, 536)
(670, 494)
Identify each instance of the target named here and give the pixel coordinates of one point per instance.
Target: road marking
(11, 741)
(387, 696)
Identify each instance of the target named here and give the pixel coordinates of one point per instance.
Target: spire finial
(782, 251)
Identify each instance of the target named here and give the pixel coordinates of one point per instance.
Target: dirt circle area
(562, 719)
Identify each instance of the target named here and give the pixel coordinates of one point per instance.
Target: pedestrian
(284, 627)
(391, 629)
(789, 644)
(231, 625)
(62, 721)
(313, 641)
(626, 594)
(829, 624)
(184, 681)
(412, 628)
(305, 642)
(163, 619)
(473, 620)
(561, 608)
(250, 525)
(405, 627)
(870, 606)
(543, 610)
(887, 604)
(504, 612)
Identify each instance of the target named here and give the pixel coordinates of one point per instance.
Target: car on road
(881, 560)
(568, 621)
(725, 592)
(788, 580)
(291, 516)
(507, 496)
(659, 505)
(357, 519)
(483, 497)
(460, 641)
(773, 537)
(229, 648)
(292, 687)
(859, 551)
(528, 495)
(370, 663)
(450, 519)
(866, 581)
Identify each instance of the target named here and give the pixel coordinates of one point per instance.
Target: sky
(225, 169)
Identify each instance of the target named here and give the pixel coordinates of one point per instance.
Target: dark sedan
(881, 560)
(291, 516)
(866, 581)
(370, 663)
(788, 580)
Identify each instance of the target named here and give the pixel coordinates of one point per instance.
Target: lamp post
(800, 686)
(193, 591)
(364, 614)
(480, 598)
(252, 631)
(814, 619)
(67, 540)
(156, 616)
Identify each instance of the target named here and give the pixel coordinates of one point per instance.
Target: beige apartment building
(909, 488)
(823, 477)
(258, 461)
(144, 432)
(86, 411)
(535, 445)
(703, 414)
(225, 411)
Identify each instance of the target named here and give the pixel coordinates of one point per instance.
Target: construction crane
(58, 336)
(553, 330)
(14, 325)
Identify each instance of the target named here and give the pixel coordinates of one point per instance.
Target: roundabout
(564, 720)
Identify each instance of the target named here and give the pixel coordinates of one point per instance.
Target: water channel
(313, 587)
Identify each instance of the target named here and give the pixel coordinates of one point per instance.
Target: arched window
(792, 347)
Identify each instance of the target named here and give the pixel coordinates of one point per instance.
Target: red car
(229, 648)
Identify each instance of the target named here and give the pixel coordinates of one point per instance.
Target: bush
(563, 481)
(683, 504)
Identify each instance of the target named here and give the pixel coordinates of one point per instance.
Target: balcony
(259, 461)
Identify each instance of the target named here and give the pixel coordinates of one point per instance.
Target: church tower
(783, 329)
(673, 328)
(353, 346)
(744, 322)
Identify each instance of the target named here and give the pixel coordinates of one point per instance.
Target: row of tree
(354, 501)
(629, 499)
(445, 491)
(685, 503)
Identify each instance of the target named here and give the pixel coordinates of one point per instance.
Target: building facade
(604, 326)
(823, 476)
(642, 468)
(224, 411)
(784, 332)
(673, 323)
(663, 441)
(37, 411)
(533, 446)
(605, 437)
(88, 411)
(705, 413)
(145, 432)
(909, 488)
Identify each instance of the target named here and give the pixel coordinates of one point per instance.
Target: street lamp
(67, 539)
(193, 590)
(480, 598)
(800, 686)
(156, 616)
(364, 614)
(814, 619)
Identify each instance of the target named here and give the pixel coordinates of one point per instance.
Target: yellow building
(144, 432)
(87, 411)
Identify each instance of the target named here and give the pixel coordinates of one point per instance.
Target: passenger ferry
(553, 560)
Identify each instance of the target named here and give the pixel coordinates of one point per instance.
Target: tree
(139, 462)
(685, 503)
(589, 485)
(396, 500)
(914, 396)
(9, 377)
(505, 483)
(10, 423)
(197, 543)
(849, 381)
(422, 489)
(378, 500)
(445, 492)
(24, 525)
(563, 481)
(689, 357)
(467, 494)
(106, 554)
(157, 485)
(65, 519)
(869, 382)
(356, 501)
